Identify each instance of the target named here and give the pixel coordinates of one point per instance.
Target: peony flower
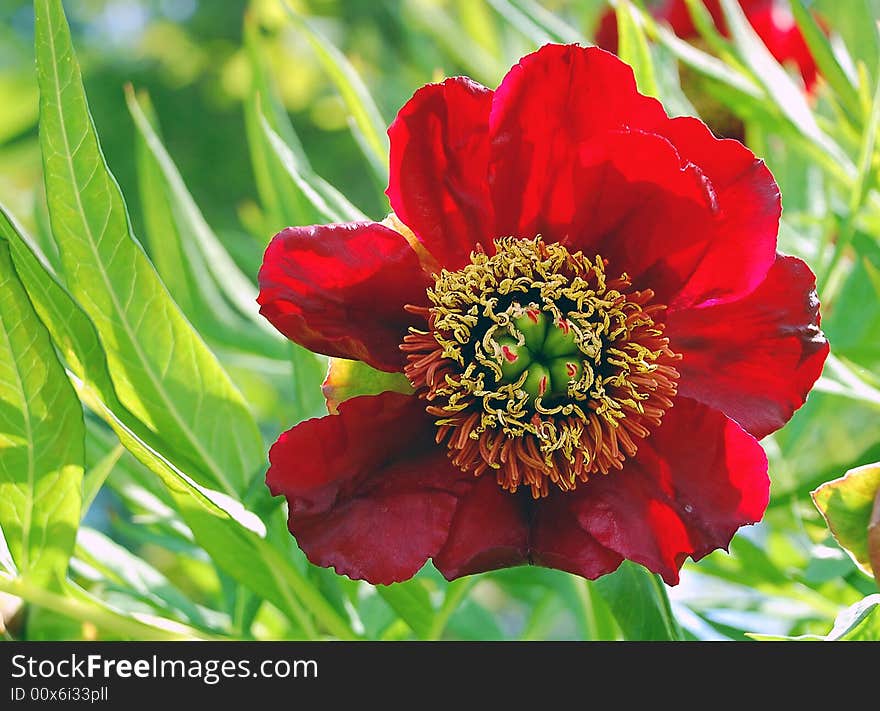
(586, 298)
(771, 19)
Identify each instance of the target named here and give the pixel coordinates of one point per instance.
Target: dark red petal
(340, 290)
(690, 486)
(560, 541)
(368, 491)
(549, 104)
(757, 358)
(439, 157)
(489, 531)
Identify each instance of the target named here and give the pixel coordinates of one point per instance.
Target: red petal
(439, 158)
(551, 102)
(340, 290)
(489, 531)
(560, 541)
(757, 358)
(574, 159)
(368, 491)
(747, 218)
(688, 489)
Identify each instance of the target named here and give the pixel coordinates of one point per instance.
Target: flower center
(538, 367)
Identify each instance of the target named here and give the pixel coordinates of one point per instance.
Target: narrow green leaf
(76, 603)
(411, 601)
(551, 23)
(704, 63)
(326, 202)
(846, 505)
(788, 97)
(238, 289)
(350, 86)
(41, 440)
(162, 370)
(215, 296)
(705, 26)
(70, 328)
(638, 600)
(121, 569)
(856, 21)
(309, 370)
(432, 19)
(829, 67)
(634, 48)
(283, 203)
(264, 87)
(96, 476)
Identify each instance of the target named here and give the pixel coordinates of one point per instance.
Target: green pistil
(514, 358)
(560, 340)
(549, 352)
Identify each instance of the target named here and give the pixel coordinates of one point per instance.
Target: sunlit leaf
(848, 506)
(162, 370)
(201, 276)
(41, 440)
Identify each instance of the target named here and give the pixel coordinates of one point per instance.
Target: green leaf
(41, 440)
(70, 328)
(326, 202)
(638, 600)
(350, 378)
(226, 531)
(555, 26)
(201, 276)
(634, 48)
(858, 623)
(856, 21)
(97, 475)
(76, 603)
(787, 96)
(350, 86)
(847, 505)
(162, 370)
(411, 601)
(829, 67)
(121, 569)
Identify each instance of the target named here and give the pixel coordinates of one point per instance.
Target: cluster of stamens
(538, 367)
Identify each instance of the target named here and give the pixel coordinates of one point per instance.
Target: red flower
(771, 19)
(586, 297)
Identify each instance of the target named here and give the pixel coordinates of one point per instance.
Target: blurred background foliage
(200, 67)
